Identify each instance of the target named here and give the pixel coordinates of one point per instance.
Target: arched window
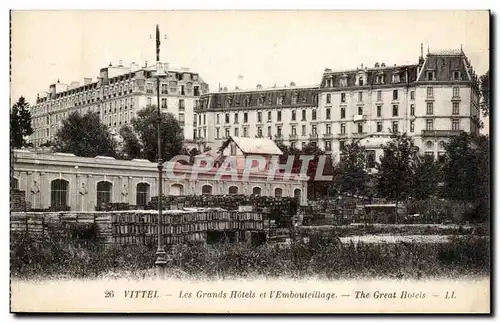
(104, 193)
(206, 190)
(257, 191)
(429, 144)
(142, 194)
(59, 194)
(15, 183)
(296, 193)
(442, 145)
(176, 190)
(278, 192)
(233, 190)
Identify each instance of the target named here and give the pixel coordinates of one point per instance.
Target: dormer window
(456, 75)
(380, 79)
(294, 98)
(280, 99)
(430, 75)
(361, 81)
(395, 78)
(261, 100)
(343, 80)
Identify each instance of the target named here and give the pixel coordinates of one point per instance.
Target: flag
(158, 43)
(240, 77)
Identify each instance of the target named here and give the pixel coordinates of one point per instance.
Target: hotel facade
(117, 95)
(431, 101)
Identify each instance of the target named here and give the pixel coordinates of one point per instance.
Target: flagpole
(160, 253)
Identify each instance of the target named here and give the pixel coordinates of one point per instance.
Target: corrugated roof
(257, 146)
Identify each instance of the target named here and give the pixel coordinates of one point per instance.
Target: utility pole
(160, 253)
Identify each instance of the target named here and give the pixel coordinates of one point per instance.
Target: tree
(146, 125)
(484, 86)
(317, 188)
(132, 148)
(426, 177)
(85, 136)
(397, 168)
(353, 177)
(20, 123)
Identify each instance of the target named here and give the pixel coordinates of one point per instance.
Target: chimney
(328, 70)
(225, 89)
(377, 65)
(120, 63)
(292, 84)
(236, 88)
(259, 86)
(110, 64)
(382, 65)
(87, 80)
(146, 64)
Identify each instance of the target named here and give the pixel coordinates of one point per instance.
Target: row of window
(182, 89)
(164, 103)
(263, 99)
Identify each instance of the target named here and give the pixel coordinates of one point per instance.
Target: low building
(64, 181)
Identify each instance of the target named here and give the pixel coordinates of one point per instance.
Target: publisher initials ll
(450, 294)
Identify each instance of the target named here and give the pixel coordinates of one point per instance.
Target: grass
(322, 257)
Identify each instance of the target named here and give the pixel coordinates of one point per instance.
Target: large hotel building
(431, 100)
(117, 95)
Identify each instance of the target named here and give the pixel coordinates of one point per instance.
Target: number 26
(109, 294)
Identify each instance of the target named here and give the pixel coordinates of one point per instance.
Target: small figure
(35, 189)
(83, 189)
(124, 190)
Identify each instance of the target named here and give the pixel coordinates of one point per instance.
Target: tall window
(456, 108)
(59, 194)
(303, 130)
(379, 126)
(342, 128)
(412, 109)
(342, 97)
(269, 133)
(164, 89)
(370, 158)
(328, 114)
(104, 193)
(379, 111)
(429, 124)
(259, 116)
(313, 114)
(269, 116)
(342, 113)
(360, 96)
(228, 132)
(456, 92)
(456, 75)
(245, 132)
(217, 133)
(430, 92)
(294, 131)
(142, 195)
(328, 98)
(314, 130)
(256, 191)
(412, 95)
(206, 190)
(296, 193)
(236, 132)
(455, 124)
(233, 190)
(245, 117)
(259, 132)
(360, 111)
(394, 94)
(394, 110)
(430, 76)
(236, 118)
(278, 192)
(379, 95)
(430, 108)
(218, 118)
(182, 105)
(360, 128)
(395, 127)
(163, 103)
(303, 115)
(148, 101)
(328, 145)
(279, 116)
(328, 129)
(226, 118)
(412, 126)
(294, 115)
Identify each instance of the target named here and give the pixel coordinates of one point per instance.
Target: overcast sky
(265, 47)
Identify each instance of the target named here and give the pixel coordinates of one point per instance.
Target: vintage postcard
(250, 162)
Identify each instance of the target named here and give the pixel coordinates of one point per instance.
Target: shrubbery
(321, 257)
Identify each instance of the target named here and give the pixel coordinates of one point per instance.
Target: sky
(264, 47)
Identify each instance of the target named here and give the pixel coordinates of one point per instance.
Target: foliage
(322, 257)
(20, 123)
(171, 134)
(84, 136)
(397, 168)
(353, 176)
(427, 175)
(485, 93)
(132, 148)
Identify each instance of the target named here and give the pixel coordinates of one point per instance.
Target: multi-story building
(431, 101)
(117, 95)
(288, 114)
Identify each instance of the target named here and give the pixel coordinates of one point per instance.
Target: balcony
(182, 108)
(328, 135)
(293, 136)
(359, 117)
(358, 134)
(313, 136)
(440, 133)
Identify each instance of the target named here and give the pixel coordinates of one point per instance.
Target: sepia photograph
(241, 162)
